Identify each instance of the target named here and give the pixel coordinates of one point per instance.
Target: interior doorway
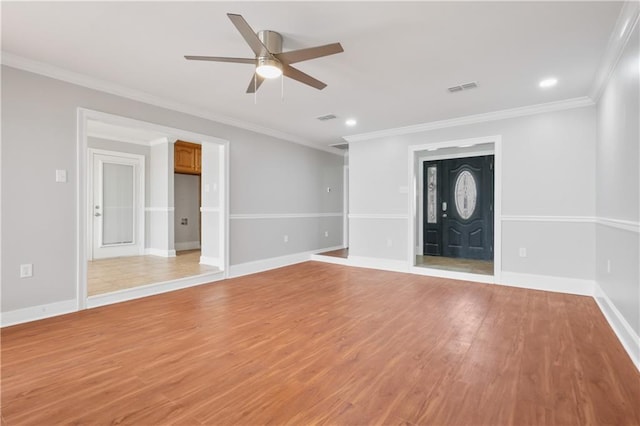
(455, 203)
(128, 213)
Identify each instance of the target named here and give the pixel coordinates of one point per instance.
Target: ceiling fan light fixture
(269, 68)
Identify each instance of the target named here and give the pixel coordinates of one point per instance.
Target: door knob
(444, 215)
(97, 214)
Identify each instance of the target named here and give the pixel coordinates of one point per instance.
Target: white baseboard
(211, 261)
(548, 283)
(34, 313)
(452, 275)
(266, 264)
(629, 339)
(187, 245)
(152, 289)
(378, 263)
(330, 259)
(274, 262)
(160, 252)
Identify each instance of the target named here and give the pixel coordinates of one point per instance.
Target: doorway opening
(455, 201)
(131, 205)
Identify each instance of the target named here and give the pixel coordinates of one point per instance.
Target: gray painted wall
(187, 200)
(39, 125)
(618, 184)
(548, 163)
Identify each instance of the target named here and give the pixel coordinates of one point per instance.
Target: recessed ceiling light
(548, 82)
(351, 122)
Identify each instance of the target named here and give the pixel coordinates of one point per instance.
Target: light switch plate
(61, 176)
(26, 270)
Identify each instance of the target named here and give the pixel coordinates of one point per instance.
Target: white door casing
(116, 204)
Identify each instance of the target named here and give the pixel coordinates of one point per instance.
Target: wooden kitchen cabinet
(187, 158)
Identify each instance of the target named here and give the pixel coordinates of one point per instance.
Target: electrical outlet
(523, 252)
(184, 221)
(26, 270)
(326, 233)
(286, 238)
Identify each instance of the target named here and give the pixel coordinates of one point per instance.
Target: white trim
(152, 289)
(625, 333)
(159, 252)
(345, 206)
(47, 70)
(282, 215)
(401, 216)
(267, 264)
(140, 226)
(187, 245)
(83, 116)
(617, 43)
(413, 150)
(473, 119)
(570, 219)
(162, 141)
(453, 275)
(209, 209)
(261, 265)
(159, 209)
(211, 261)
(555, 284)
(93, 134)
(33, 313)
(625, 225)
(377, 263)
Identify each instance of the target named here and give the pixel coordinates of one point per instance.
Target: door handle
(97, 214)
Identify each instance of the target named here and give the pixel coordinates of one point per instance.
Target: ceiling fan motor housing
(272, 40)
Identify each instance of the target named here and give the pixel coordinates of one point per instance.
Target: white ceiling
(399, 57)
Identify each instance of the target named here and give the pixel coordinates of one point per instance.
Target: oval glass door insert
(466, 194)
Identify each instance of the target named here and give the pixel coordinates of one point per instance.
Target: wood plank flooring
(317, 343)
(119, 273)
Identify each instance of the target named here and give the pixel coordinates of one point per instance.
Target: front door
(458, 208)
(116, 203)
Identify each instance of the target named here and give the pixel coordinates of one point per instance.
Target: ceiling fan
(270, 60)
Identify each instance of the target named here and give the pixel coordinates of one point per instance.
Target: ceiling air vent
(464, 86)
(341, 145)
(327, 117)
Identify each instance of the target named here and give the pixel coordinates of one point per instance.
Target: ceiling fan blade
(220, 59)
(249, 35)
(254, 84)
(309, 53)
(298, 75)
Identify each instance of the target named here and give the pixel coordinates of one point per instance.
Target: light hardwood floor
(119, 273)
(321, 343)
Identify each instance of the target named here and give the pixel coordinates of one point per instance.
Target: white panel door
(116, 205)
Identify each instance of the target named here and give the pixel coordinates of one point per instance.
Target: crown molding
(16, 61)
(477, 118)
(620, 36)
